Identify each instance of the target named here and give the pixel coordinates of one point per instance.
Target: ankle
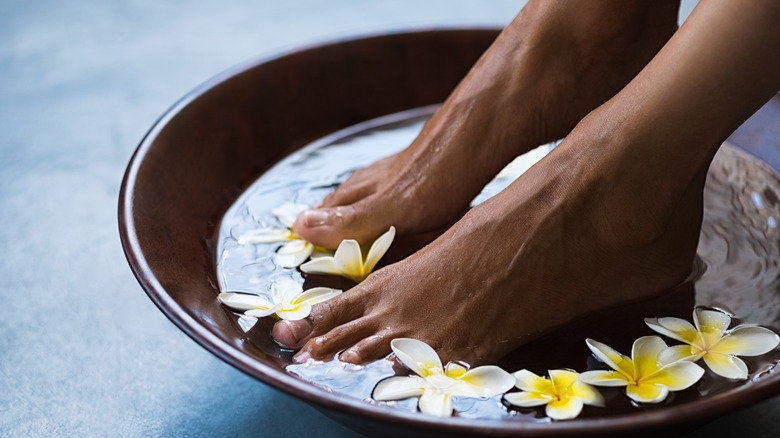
(647, 187)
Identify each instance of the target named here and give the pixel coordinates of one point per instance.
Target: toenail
(301, 357)
(316, 218)
(299, 329)
(349, 356)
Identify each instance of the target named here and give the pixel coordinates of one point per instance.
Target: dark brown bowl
(212, 144)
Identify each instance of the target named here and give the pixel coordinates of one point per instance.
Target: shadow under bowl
(199, 157)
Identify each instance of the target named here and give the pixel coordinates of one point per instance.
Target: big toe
(291, 334)
(329, 226)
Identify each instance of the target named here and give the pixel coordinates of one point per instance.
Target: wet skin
(610, 216)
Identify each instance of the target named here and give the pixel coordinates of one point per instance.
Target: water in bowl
(737, 268)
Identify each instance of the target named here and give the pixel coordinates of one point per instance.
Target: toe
(362, 183)
(371, 348)
(351, 191)
(338, 339)
(323, 318)
(291, 334)
(363, 221)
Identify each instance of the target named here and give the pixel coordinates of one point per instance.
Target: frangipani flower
(296, 250)
(348, 260)
(287, 300)
(435, 384)
(522, 163)
(646, 379)
(709, 340)
(563, 394)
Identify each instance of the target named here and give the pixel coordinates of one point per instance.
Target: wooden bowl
(213, 143)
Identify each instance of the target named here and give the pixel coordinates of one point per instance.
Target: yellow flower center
(704, 341)
(429, 368)
(290, 307)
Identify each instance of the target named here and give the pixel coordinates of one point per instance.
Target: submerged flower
(348, 260)
(287, 300)
(710, 340)
(646, 379)
(563, 394)
(296, 250)
(435, 384)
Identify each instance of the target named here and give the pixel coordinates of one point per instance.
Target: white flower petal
(522, 163)
(242, 301)
(711, 321)
(527, 399)
(454, 370)
(265, 235)
(675, 328)
(677, 352)
(293, 254)
(676, 376)
(349, 259)
(321, 265)
(647, 392)
(260, 313)
(288, 212)
(438, 380)
(747, 341)
(726, 365)
(588, 394)
(528, 381)
(564, 409)
(316, 295)
(437, 403)
(562, 379)
(611, 357)
(604, 378)
(290, 261)
(285, 289)
(417, 356)
(300, 311)
(398, 388)
(378, 249)
(485, 381)
(295, 246)
(644, 354)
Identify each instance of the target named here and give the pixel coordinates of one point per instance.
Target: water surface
(737, 267)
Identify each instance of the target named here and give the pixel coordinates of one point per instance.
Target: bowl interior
(211, 145)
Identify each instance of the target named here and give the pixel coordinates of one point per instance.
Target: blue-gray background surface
(83, 352)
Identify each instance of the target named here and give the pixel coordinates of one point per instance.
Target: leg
(552, 65)
(610, 216)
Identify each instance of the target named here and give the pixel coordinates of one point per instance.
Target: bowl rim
(697, 411)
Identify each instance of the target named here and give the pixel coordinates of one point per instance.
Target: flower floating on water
(287, 300)
(710, 340)
(563, 393)
(522, 163)
(436, 384)
(348, 260)
(646, 379)
(296, 250)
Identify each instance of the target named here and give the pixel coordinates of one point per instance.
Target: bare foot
(551, 66)
(610, 216)
(582, 230)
